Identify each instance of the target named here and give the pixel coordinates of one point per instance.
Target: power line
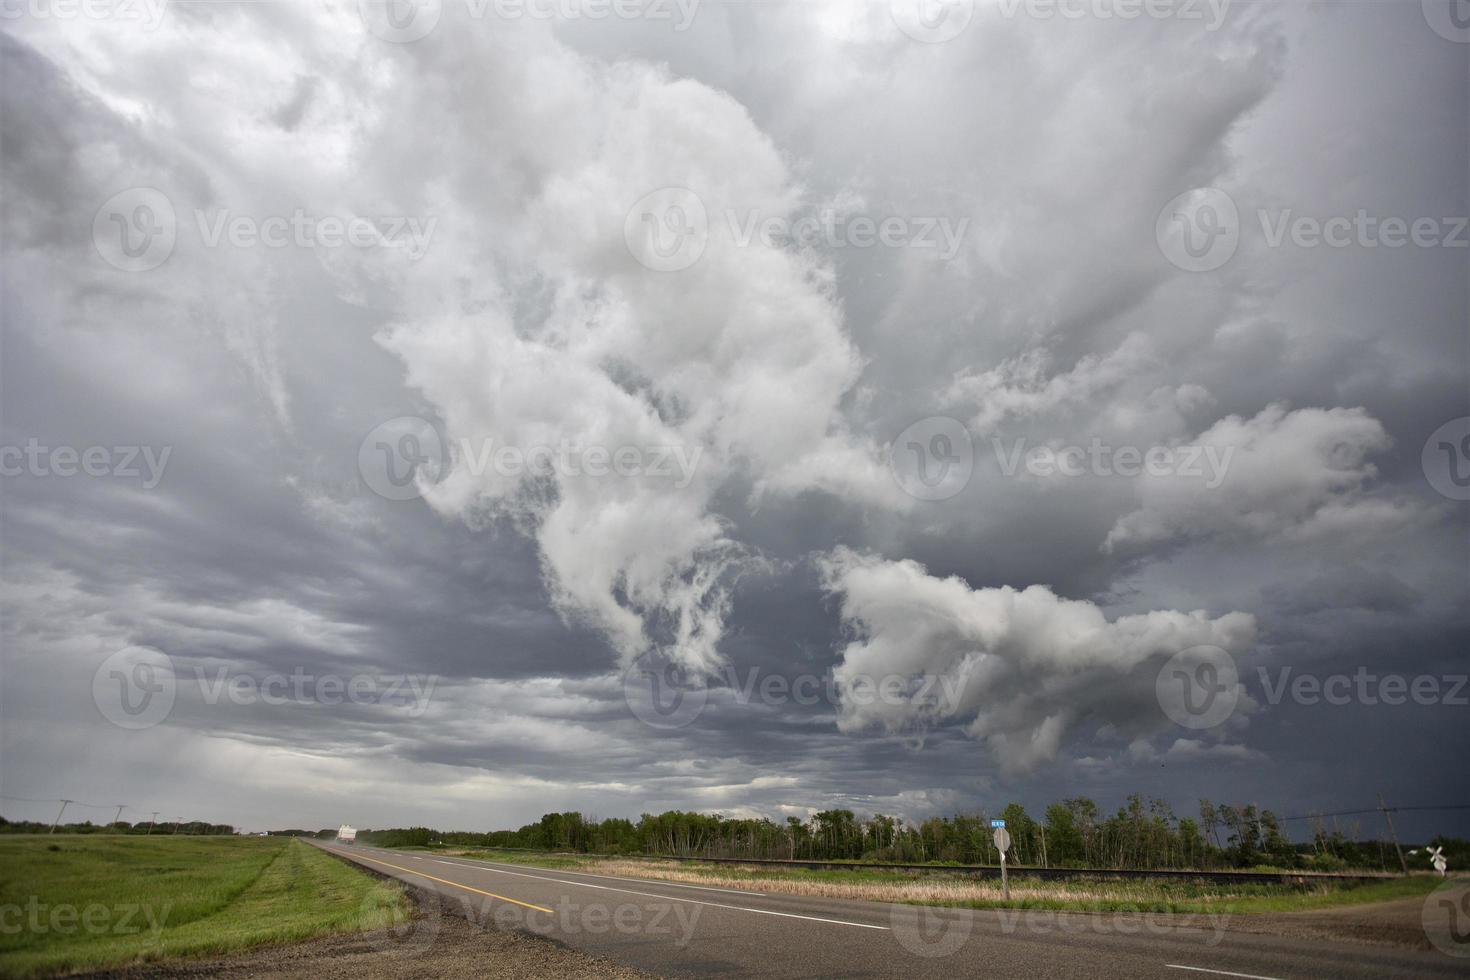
(95, 806)
(1392, 809)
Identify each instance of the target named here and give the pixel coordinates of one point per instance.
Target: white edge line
(1223, 973)
(671, 898)
(588, 874)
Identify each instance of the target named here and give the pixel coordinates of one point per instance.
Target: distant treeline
(1072, 833)
(120, 827)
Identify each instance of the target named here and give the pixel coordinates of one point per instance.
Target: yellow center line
(446, 881)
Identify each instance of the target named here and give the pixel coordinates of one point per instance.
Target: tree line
(116, 827)
(1142, 834)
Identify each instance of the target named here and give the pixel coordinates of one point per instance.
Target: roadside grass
(73, 902)
(939, 887)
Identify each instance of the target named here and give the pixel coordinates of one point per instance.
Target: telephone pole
(152, 823)
(120, 808)
(1393, 833)
(58, 816)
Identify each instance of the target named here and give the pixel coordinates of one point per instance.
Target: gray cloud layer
(535, 308)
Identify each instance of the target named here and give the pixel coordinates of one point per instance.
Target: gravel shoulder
(1396, 923)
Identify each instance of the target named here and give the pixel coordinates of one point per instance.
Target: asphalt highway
(681, 930)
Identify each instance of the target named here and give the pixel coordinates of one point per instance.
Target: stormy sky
(442, 412)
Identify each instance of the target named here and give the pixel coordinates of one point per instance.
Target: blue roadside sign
(997, 823)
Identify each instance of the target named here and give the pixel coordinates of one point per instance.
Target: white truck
(346, 834)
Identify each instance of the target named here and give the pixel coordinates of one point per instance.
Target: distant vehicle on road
(346, 834)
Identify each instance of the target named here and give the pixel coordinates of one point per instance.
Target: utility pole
(58, 816)
(1042, 828)
(152, 823)
(1393, 833)
(177, 821)
(120, 808)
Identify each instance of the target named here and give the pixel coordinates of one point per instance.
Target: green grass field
(78, 902)
(940, 888)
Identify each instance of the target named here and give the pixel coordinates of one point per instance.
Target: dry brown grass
(936, 889)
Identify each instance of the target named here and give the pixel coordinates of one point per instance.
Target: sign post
(1002, 843)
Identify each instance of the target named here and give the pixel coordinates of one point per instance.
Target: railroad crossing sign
(1002, 839)
(1436, 857)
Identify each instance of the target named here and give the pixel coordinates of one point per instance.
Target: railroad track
(1048, 874)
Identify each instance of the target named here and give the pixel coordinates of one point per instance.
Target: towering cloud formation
(572, 332)
(1021, 666)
